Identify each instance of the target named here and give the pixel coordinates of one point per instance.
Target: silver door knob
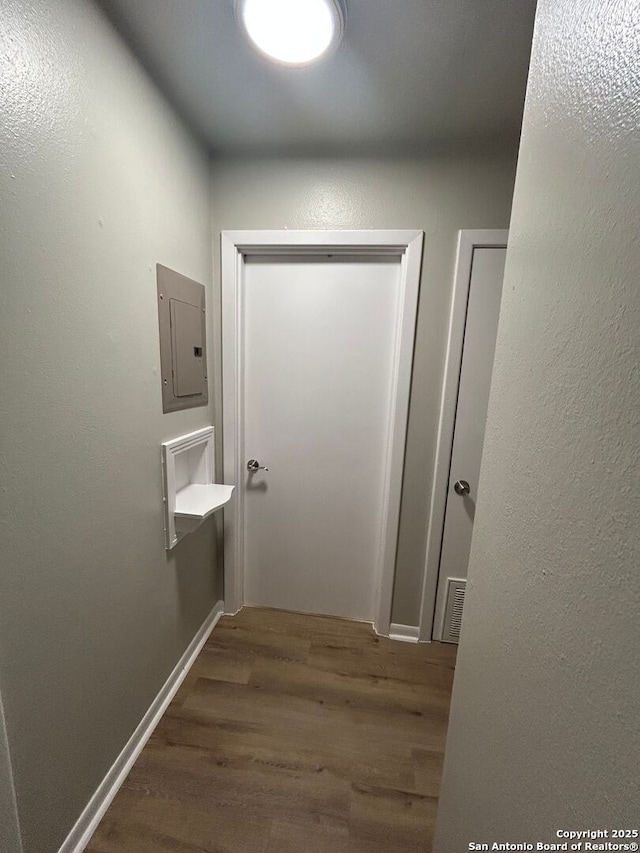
(254, 465)
(461, 487)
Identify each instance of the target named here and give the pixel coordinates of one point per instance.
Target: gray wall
(440, 194)
(544, 724)
(99, 181)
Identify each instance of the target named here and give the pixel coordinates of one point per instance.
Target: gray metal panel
(186, 349)
(183, 341)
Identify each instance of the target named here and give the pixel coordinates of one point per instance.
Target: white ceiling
(409, 75)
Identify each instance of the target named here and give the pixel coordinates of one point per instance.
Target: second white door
(320, 338)
(481, 326)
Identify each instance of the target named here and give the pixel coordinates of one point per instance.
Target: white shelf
(197, 501)
(190, 492)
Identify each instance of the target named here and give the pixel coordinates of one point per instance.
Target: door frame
(236, 246)
(468, 241)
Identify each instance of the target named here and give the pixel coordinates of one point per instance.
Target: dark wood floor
(291, 734)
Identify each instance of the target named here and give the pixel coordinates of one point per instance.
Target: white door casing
(485, 305)
(237, 247)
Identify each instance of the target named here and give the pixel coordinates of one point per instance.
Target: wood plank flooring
(292, 733)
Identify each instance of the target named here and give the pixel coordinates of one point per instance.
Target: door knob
(254, 465)
(461, 487)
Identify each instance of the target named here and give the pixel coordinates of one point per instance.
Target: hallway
(292, 733)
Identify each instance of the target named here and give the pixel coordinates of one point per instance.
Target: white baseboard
(406, 633)
(93, 813)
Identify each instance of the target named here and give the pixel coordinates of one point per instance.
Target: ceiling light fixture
(293, 32)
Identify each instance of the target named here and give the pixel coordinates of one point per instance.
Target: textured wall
(439, 195)
(99, 181)
(544, 726)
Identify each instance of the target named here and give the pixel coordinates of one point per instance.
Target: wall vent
(453, 612)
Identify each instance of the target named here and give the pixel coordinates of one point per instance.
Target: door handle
(461, 487)
(253, 465)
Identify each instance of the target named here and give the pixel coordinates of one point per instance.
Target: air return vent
(453, 613)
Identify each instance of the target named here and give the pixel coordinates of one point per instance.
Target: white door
(320, 338)
(483, 308)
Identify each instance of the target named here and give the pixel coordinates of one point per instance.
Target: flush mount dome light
(294, 32)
